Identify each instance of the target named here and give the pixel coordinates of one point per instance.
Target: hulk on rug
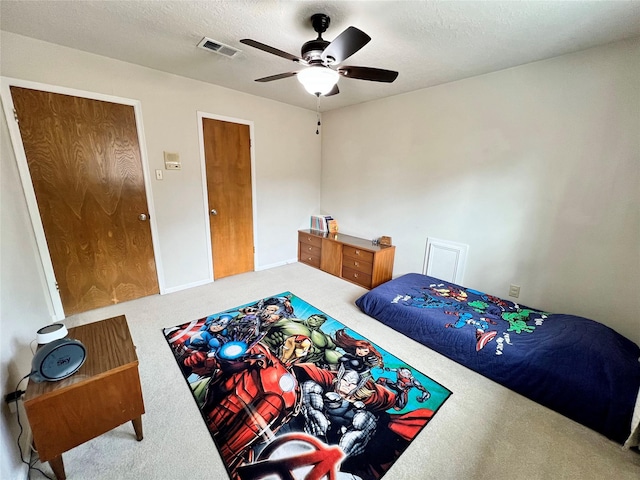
(288, 392)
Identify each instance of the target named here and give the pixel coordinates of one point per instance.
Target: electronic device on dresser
(57, 356)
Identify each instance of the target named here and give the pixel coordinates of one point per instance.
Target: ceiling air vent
(217, 47)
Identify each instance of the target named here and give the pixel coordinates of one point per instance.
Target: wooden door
(227, 148)
(86, 169)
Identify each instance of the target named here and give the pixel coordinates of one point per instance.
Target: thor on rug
(289, 392)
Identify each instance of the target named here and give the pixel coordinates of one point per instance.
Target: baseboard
(187, 286)
(208, 280)
(274, 265)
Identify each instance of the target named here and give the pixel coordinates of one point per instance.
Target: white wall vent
(445, 260)
(217, 47)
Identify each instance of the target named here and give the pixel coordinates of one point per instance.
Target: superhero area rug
(288, 392)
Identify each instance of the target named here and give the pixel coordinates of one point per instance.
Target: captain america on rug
(289, 392)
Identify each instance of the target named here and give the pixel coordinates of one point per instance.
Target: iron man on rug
(250, 395)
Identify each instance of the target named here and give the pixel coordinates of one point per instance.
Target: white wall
(23, 306)
(536, 168)
(287, 157)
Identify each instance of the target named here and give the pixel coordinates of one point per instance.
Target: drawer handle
(309, 238)
(355, 275)
(309, 248)
(357, 252)
(357, 264)
(309, 258)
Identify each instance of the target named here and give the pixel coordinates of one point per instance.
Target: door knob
(142, 217)
(213, 211)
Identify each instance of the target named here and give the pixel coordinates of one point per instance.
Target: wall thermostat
(172, 161)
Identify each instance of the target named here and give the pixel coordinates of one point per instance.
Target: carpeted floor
(486, 431)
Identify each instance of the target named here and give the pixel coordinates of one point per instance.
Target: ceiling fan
(322, 59)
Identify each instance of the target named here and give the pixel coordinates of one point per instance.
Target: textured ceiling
(428, 42)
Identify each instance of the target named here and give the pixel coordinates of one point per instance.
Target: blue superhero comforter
(575, 366)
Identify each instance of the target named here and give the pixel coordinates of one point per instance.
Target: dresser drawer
(312, 240)
(357, 277)
(308, 257)
(357, 264)
(357, 253)
(306, 249)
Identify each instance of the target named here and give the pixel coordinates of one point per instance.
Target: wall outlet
(158, 174)
(514, 291)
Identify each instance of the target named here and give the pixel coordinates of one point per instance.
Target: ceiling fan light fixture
(318, 80)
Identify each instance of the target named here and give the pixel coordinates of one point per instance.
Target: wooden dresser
(354, 259)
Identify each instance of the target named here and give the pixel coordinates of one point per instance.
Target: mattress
(573, 365)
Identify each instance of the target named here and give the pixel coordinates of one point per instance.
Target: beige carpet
(483, 431)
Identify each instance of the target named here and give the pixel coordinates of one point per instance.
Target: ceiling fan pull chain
(318, 114)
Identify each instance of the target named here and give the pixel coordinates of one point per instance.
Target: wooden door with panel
(227, 148)
(86, 169)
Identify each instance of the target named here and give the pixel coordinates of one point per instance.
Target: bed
(575, 366)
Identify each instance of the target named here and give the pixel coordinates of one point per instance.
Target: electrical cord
(31, 465)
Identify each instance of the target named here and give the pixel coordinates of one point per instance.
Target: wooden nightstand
(102, 395)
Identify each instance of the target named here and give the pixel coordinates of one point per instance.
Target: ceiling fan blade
(276, 77)
(345, 45)
(367, 73)
(334, 91)
(272, 50)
